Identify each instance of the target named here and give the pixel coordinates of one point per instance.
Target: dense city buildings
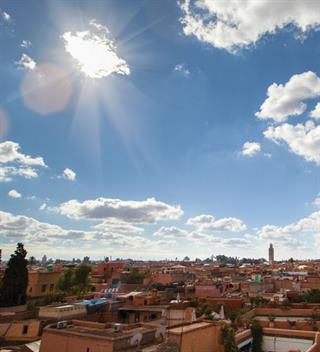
(211, 305)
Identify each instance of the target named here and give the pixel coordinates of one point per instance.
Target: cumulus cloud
(287, 99)
(202, 238)
(302, 139)
(315, 113)
(26, 63)
(170, 232)
(31, 231)
(15, 163)
(209, 223)
(250, 149)
(10, 152)
(68, 175)
(287, 234)
(231, 24)
(116, 226)
(236, 242)
(14, 194)
(95, 52)
(146, 211)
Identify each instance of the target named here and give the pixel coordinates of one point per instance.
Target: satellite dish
(136, 339)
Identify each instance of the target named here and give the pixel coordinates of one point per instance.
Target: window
(88, 349)
(30, 289)
(43, 288)
(51, 287)
(25, 329)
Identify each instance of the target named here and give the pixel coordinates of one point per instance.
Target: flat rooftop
(188, 328)
(107, 332)
(149, 308)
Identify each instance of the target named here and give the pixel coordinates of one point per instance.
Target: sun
(95, 52)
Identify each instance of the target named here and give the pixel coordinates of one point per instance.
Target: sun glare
(95, 52)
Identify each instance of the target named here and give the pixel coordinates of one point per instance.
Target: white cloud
(209, 223)
(237, 242)
(26, 62)
(68, 175)
(95, 52)
(182, 69)
(146, 211)
(315, 113)
(316, 201)
(170, 232)
(7, 172)
(116, 226)
(202, 238)
(302, 139)
(310, 224)
(25, 44)
(31, 229)
(288, 99)
(10, 152)
(250, 149)
(231, 24)
(248, 236)
(14, 194)
(19, 164)
(43, 206)
(5, 16)
(36, 233)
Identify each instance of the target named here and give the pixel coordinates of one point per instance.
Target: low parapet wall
(243, 336)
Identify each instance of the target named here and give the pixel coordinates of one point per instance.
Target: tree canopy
(228, 339)
(256, 330)
(135, 277)
(75, 280)
(13, 290)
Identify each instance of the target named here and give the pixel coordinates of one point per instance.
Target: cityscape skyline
(134, 129)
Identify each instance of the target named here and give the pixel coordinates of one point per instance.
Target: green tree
(312, 296)
(13, 291)
(81, 277)
(135, 277)
(74, 281)
(64, 282)
(228, 339)
(256, 331)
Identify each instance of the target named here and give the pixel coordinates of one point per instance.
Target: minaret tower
(271, 254)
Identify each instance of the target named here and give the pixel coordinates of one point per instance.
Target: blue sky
(150, 129)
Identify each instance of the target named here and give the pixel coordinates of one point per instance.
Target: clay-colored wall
(51, 342)
(204, 339)
(15, 331)
(229, 303)
(37, 280)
